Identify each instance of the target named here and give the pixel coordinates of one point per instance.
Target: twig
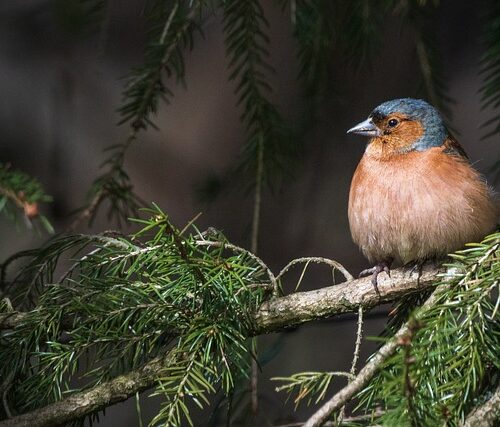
(254, 376)
(359, 337)
(368, 371)
(353, 419)
(218, 244)
(409, 389)
(70, 270)
(137, 124)
(4, 287)
(254, 286)
(320, 260)
(485, 415)
(88, 212)
(355, 357)
(257, 197)
(6, 386)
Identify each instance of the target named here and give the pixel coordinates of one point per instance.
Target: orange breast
(418, 205)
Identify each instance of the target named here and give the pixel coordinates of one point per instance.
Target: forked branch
(272, 316)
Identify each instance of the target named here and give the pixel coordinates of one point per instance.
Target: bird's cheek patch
(404, 136)
(411, 131)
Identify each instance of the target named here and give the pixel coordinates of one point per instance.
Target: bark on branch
(81, 404)
(301, 307)
(487, 414)
(272, 316)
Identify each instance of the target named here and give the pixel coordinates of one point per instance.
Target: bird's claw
(416, 268)
(367, 272)
(375, 271)
(374, 281)
(387, 270)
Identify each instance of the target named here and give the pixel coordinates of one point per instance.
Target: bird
(414, 195)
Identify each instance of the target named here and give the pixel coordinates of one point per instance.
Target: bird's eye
(392, 123)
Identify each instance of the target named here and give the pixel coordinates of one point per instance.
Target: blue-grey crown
(435, 131)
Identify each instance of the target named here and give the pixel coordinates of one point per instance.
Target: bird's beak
(366, 128)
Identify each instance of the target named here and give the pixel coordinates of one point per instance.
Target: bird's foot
(415, 267)
(375, 271)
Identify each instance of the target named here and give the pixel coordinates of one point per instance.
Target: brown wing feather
(452, 147)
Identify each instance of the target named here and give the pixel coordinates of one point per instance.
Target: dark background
(59, 91)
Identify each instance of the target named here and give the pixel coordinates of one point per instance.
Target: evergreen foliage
(21, 196)
(269, 141)
(449, 359)
(114, 187)
(97, 306)
(447, 363)
(309, 385)
(170, 29)
(315, 34)
(123, 301)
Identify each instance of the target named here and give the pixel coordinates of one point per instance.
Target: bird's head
(401, 126)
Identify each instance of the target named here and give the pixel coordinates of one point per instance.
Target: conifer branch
(296, 309)
(347, 297)
(143, 91)
(20, 193)
(302, 307)
(130, 300)
(269, 146)
(314, 31)
(367, 372)
(163, 55)
(87, 212)
(451, 361)
(90, 401)
(418, 14)
(355, 357)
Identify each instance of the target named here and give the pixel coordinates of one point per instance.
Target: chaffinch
(415, 195)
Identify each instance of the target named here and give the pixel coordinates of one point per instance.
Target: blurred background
(61, 82)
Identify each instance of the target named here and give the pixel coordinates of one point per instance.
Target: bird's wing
(452, 147)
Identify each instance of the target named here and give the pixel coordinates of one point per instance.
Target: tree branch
(12, 319)
(302, 307)
(272, 316)
(486, 414)
(87, 402)
(365, 374)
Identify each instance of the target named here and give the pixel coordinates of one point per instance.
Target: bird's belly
(412, 210)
